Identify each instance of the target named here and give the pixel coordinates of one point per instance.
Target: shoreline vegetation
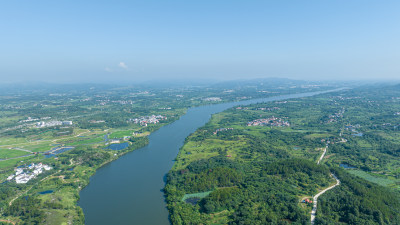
(134, 144)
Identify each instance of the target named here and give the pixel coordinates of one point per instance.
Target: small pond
(57, 150)
(346, 166)
(120, 146)
(46, 192)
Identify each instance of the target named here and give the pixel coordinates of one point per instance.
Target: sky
(129, 41)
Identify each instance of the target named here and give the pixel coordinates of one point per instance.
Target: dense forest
(357, 201)
(248, 193)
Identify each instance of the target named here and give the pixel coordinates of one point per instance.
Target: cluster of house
(388, 125)
(245, 108)
(269, 109)
(212, 99)
(144, 120)
(85, 100)
(306, 201)
(121, 102)
(310, 85)
(221, 129)
(30, 119)
(334, 140)
(347, 98)
(353, 128)
(333, 117)
(272, 121)
(11, 106)
(97, 121)
(53, 123)
(24, 174)
(397, 113)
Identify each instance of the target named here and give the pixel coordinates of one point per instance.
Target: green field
(121, 134)
(373, 178)
(11, 153)
(196, 195)
(40, 147)
(84, 141)
(13, 162)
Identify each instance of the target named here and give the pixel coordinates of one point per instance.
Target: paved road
(314, 210)
(323, 155)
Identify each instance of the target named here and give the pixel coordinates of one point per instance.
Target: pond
(57, 150)
(119, 146)
(46, 192)
(346, 166)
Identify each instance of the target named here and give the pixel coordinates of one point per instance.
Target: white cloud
(123, 65)
(108, 69)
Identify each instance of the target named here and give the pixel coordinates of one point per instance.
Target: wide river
(129, 189)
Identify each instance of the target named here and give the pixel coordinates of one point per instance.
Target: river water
(129, 189)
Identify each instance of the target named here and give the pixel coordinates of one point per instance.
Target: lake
(129, 189)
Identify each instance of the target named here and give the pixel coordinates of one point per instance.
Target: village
(53, 123)
(333, 118)
(24, 174)
(221, 129)
(144, 120)
(272, 121)
(268, 109)
(212, 99)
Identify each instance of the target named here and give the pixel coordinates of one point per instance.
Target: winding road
(323, 155)
(315, 198)
(314, 210)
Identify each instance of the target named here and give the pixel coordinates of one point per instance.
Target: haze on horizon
(104, 41)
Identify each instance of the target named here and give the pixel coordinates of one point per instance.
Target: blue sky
(101, 41)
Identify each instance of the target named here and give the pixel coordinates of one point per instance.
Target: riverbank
(134, 183)
(239, 166)
(71, 172)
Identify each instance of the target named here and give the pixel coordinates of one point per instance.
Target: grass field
(13, 162)
(373, 178)
(196, 195)
(91, 140)
(12, 141)
(193, 151)
(11, 153)
(57, 216)
(121, 134)
(40, 147)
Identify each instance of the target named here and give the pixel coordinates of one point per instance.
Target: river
(129, 189)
